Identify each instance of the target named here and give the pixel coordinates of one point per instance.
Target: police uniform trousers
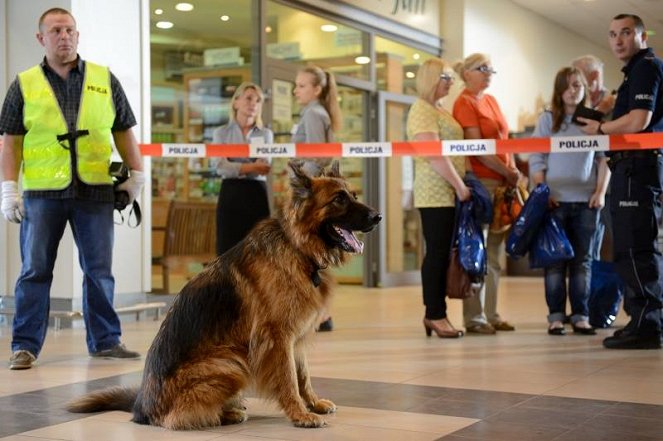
(242, 204)
(635, 206)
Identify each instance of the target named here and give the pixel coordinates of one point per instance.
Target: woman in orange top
(481, 118)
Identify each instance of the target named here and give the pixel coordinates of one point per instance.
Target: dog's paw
(309, 420)
(323, 407)
(233, 416)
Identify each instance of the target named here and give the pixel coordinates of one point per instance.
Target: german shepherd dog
(244, 320)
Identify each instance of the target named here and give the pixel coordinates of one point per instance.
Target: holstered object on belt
(616, 157)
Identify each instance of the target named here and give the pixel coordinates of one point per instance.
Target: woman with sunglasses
(438, 181)
(481, 118)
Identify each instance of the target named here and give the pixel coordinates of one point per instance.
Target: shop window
(302, 38)
(397, 65)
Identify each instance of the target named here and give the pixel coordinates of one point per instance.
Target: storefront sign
(420, 14)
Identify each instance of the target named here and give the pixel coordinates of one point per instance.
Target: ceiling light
(416, 56)
(409, 74)
(362, 60)
(329, 28)
(268, 29)
(224, 18)
(164, 24)
(184, 7)
(158, 11)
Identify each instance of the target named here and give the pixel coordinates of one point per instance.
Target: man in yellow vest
(58, 119)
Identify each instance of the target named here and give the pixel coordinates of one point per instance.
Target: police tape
(467, 147)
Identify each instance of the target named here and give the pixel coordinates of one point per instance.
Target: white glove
(133, 185)
(12, 203)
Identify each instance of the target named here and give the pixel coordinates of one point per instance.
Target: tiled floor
(388, 380)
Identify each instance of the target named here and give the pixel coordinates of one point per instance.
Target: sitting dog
(244, 320)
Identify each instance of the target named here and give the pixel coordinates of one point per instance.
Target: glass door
(400, 248)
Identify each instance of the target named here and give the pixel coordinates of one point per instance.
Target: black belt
(639, 154)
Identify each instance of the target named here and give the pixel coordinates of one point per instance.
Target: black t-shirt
(642, 88)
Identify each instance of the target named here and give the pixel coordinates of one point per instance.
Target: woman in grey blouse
(243, 197)
(320, 117)
(315, 91)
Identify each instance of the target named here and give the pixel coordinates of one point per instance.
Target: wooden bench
(74, 315)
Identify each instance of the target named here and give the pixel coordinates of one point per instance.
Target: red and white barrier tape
(409, 148)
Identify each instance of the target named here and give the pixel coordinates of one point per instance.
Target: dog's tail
(113, 398)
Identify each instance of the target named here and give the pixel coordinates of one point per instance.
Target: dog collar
(315, 277)
(315, 273)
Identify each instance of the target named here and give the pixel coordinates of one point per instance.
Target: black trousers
(635, 206)
(242, 204)
(438, 228)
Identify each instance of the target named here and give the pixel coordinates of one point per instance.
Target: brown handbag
(459, 283)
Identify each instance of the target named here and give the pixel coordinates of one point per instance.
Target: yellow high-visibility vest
(47, 161)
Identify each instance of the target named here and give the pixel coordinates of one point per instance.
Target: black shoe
(556, 331)
(632, 341)
(326, 326)
(584, 331)
(116, 352)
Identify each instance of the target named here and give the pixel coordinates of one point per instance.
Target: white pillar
(110, 34)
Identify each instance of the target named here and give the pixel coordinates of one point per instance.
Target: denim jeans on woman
(579, 223)
(41, 231)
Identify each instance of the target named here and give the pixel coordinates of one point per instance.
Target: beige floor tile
(378, 337)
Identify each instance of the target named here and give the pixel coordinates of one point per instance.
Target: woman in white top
(243, 198)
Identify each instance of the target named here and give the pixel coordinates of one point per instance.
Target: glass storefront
(199, 57)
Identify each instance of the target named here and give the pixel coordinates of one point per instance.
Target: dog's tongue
(356, 244)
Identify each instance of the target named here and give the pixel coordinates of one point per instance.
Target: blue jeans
(579, 222)
(41, 231)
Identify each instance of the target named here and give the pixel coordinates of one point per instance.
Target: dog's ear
(300, 182)
(334, 171)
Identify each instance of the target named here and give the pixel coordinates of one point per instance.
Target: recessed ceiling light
(409, 74)
(164, 24)
(329, 28)
(158, 11)
(184, 7)
(362, 60)
(416, 56)
(224, 18)
(268, 29)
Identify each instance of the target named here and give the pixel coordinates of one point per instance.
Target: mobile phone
(586, 112)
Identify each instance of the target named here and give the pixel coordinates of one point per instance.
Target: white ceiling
(590, 18)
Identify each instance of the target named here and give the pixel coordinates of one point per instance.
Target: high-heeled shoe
(430, 326)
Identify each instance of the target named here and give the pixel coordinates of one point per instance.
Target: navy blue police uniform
(635, 200)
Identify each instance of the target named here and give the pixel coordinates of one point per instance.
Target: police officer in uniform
(636, 184)
(58, 119)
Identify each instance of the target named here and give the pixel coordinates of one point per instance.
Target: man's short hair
(53, 11)
(637, 21)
